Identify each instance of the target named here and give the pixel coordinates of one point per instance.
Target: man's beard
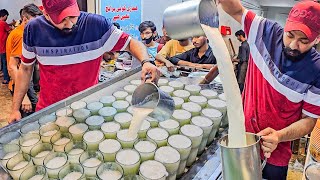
(69, 31)
(293, 54)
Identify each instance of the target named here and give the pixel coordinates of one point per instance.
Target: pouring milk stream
(237, 136)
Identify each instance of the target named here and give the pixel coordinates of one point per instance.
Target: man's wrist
(146, 61)
(280, 136)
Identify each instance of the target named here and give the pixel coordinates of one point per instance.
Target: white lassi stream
(139, 115)
(237, 136)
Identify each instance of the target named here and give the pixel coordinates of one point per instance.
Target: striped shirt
(69, 63)
(277, 90)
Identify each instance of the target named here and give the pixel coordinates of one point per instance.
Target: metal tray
(208, 165)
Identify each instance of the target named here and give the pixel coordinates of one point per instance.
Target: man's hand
(151, 69)
(270, 141)
(26, 105)
(14, 116)
(170, 66)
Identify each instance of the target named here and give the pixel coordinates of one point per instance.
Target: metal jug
(183, 20)
(242, 163)
(163, 103)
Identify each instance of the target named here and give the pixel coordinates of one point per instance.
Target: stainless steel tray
(206, 167)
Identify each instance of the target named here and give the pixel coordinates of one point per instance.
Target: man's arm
(138, 50)
(184, 58)
(271, 138)
(13, 71)
(234, 8)
(13, 67)
(163, 54)
(21, 87)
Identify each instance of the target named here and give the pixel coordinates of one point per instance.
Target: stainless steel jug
(183, 20)
(242, 163)
(163, 103)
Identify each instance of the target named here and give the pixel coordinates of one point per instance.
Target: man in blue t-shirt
(69, 52)
(148, 31)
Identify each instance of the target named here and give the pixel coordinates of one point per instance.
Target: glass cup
(93, 139)
(153, 170)
(107, 113)
(90, 162)
(192, 107)
(136, 82)
(121, 106)
(182, 116)
(182, 144)
(71, 172)
(17, 164)
(182, 94)
(206, 125)
(28, 141)
(193, 89)
(10, 138)
(64, 112)
(60, 140)
(94, 107)
(47, 131)
(74, 151)
(54, 162)
(146, 149)
(130, 88)
(7, 151)
(163, 82)
(129, 99)
(64, 123)
(216, 117)
(222, 107)
(154, 123)
(178, 102)
(129, 160)
(194, 133)
(110, 170)
(94, 122)
(124, 119)
(107, 100)
(78, 130)
(33, 127)
(81, 115)
(109, 148)
(158, 135)
(182, 168)
(78, 105)
(47, 119)
(130, 110)
(177, 85)
(39, 152)
(120, 95)
(110, 129)
(144, 128)
(192, 157)
(201, 100)
(209, 94)
(171, 126)
(125, 139)
(169, 157)
(34, 172)
(167, 89)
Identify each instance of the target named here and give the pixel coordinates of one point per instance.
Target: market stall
(206, 166)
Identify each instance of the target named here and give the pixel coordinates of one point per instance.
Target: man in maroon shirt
(4, 32)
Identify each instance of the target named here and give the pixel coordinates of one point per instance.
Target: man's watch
(147, 60)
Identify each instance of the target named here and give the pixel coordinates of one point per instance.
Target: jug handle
(264, 163)
(148, 76)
